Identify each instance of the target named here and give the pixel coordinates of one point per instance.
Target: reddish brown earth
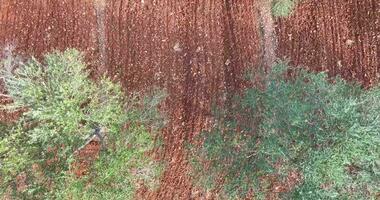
(196, 49)
(85, 156)
(341, 37)
(7, 116)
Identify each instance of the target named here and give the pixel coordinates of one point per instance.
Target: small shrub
(325, 129)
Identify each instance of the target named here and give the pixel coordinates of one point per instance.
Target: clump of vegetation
(324, 128)
(63, 106)
(283, 8)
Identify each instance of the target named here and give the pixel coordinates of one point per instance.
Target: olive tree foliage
(62, 107)
(326, 129)
(283, 8)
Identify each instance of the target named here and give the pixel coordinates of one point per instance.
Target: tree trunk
(100, 9)
(269, 41)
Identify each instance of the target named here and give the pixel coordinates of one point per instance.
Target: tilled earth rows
(197, 50)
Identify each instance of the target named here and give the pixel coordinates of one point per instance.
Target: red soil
(197, 50)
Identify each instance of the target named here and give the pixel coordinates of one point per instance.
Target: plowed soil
(198, 50)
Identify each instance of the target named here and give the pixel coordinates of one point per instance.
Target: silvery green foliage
(283, 8)
(63, 106)
(325, 128)
(9, 59)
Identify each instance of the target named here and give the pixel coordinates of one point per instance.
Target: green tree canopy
(63, 106)
(326, 129)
